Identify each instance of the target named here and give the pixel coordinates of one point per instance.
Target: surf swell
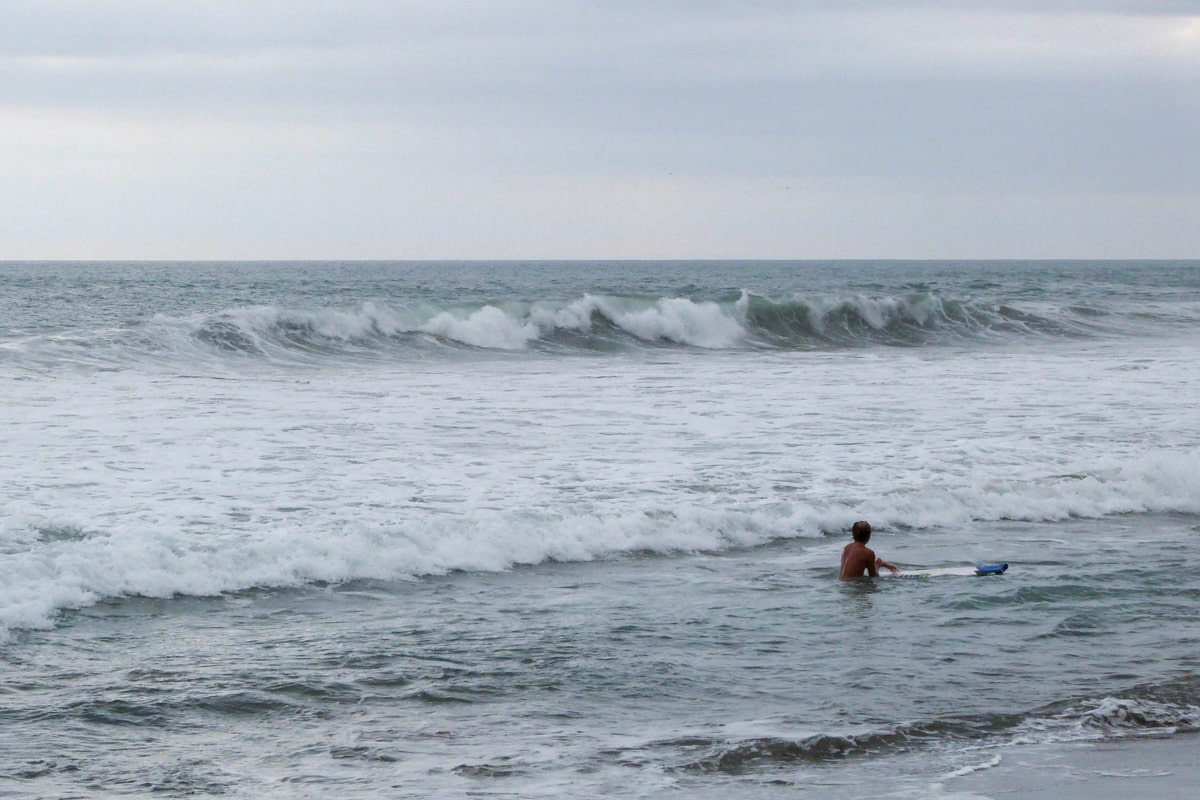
(591, 323)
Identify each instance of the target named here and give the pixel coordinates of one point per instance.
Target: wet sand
(1150, 768)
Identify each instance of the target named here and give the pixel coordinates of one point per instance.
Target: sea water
(572, 529)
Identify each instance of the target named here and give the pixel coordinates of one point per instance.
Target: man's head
(861, 531)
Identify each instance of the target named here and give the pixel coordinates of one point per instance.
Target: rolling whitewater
(568, 529)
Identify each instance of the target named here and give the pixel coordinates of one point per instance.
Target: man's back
(857, 560)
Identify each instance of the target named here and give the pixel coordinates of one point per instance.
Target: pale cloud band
(618, 129)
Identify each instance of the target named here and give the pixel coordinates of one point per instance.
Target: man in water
(858, 559)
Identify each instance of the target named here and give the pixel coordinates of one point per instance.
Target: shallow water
(742, 673)
(281, 531)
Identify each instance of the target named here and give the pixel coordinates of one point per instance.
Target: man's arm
(879, 562)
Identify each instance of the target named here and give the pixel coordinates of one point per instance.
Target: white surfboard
(934, 572)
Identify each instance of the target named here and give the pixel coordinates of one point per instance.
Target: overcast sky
(295, 129)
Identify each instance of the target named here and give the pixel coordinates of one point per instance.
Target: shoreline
(1161, 767)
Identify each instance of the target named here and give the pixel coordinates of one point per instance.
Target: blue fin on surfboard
(990, 569)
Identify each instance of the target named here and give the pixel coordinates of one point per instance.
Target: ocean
(572, 529)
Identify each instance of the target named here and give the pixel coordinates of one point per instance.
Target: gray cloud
(502, 110)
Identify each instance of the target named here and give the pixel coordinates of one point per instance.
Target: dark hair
(861, 531)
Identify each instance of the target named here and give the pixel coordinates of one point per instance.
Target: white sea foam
(574, 316)
(1139, 716)
(1156, 482)
(486, 327)
(52, 565)
(968, 769)
(45, 572)
(680, 320)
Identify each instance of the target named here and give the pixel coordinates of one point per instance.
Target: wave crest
(589, 323)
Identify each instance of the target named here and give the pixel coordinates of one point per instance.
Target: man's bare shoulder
(857, 560)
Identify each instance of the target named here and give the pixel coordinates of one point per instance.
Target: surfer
(858, 559)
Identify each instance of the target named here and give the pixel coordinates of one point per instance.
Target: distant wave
(592, 323)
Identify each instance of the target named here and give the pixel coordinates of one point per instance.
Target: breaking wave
(592, 323)
(52, 565)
